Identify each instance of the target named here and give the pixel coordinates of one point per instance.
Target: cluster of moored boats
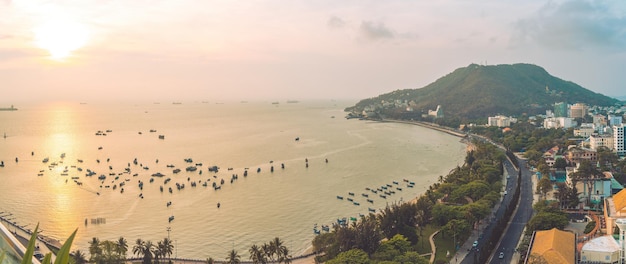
(116, 179)
(383, 192)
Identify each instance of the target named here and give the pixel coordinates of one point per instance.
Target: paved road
(471, 255)
(524, 212)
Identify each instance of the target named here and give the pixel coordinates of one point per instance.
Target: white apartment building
(559, 122)
(501, 121)
(585, 130)
(598, 141)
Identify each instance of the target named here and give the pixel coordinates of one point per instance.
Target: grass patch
(423, 244)
(444, 244)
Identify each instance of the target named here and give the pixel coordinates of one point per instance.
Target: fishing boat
(171, 218)
(339, 197)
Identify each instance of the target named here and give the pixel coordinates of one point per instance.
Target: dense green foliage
(478, 91)
(548, 216)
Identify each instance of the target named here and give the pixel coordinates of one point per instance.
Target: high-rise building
(578, 110)
(560, 109)
(618, 139)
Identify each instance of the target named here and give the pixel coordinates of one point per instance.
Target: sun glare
(60, 38)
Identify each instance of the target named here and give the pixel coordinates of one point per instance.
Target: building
(578, 110)
(437, 113)
(552, 246)
(618, 140)
(501, 121)
(576, 155)
(614, 208)
(599, 120)
(558, 122)
(560, 109)
(604, 249)
(598, 141)
(585, 130)
(615, 120)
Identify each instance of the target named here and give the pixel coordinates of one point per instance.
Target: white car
(501, 255)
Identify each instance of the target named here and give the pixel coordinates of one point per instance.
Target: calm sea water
(286, 202)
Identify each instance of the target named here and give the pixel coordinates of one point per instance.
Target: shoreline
(470, 147)
(439, 128)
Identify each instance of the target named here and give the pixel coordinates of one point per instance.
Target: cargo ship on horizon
(12, 108)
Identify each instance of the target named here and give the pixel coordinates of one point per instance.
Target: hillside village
(580, 178)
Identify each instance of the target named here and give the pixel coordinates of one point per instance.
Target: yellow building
(614, 208)
(552, 246)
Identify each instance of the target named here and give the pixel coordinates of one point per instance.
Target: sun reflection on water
(62, 206)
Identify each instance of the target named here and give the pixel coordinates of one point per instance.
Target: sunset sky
(213, 50)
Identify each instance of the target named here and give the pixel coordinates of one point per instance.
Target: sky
(218, 50)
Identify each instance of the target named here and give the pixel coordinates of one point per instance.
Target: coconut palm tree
(143, 249)
(94, 249)
(168, 247)
(233, 257)
(122, 247)
(147, 252)
(138, 247)
(285, 257)
(79, 257)
(267, 250)
(257, 255)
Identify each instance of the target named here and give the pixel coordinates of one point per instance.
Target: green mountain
(479, 91)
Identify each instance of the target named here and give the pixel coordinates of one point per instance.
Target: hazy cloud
(577, 24)
(375, 31)
(336, 22)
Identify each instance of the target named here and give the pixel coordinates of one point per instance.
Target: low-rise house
(552, 246)
(604, 249)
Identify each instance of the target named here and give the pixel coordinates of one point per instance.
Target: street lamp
(168, 232)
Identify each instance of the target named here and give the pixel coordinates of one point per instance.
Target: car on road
(38, 255)
(501, 256)
(475, 244)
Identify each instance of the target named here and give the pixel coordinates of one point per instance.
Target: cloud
(336, 22)
(375, 31)
(577, 24)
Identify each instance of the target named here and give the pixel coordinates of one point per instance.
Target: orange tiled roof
(555, 246)
(619, 199)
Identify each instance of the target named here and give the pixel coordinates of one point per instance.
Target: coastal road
(510, 184)
(513, 233)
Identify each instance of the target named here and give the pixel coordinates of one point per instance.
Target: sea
(283, 166)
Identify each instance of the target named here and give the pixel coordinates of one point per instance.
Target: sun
(61, 37)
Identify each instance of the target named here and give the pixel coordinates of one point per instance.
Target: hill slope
(478, 91)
